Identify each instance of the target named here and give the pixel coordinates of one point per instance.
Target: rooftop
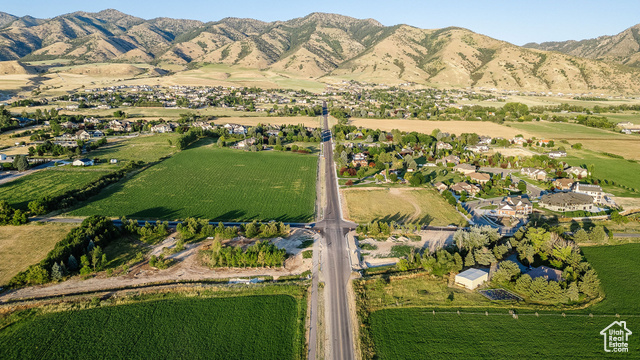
(566, 198)
(473, 274)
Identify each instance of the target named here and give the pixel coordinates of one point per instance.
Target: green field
(618, 269)
(619, 170)
(218, 184)
(568, 131)
(243, 327)
(49, 182)
(144, 148)
(415, 333)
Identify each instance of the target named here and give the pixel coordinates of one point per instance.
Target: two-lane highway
(335, 265)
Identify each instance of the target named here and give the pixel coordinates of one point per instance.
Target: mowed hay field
(242, 327)
(21, 246)
(48, 182)
(424, 205)
(217, 184)
(415, 333)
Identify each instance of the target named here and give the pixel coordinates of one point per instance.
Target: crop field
(242, 327)
(415, 333)
(617, 268)
(48, 182)
(424, 206)
(146, 148)
(218, 184)
(21, 246)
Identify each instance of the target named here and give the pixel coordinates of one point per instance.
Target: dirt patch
(188, 267)
(430, 241)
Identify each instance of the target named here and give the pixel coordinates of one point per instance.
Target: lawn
(21, 246)
(618, 269)
(415, 333)
(48, 182)
(145, 148)
(217, 184)
(401, 205)
(242, 327)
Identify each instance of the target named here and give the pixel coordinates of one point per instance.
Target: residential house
(440, 186)
(360, 159)
(480, 178)
(69, 125)
(545, 272)
(484, 140)
(517, 206)
(83, 162)
(594, 191)
(544, 142)
(465, 187)
(96, 133)
(161, 128)
(449, 159)
(534, 173)
(246, 143)
(557, 154)
(577, 172)
(83, 135)
(443, 146)
(567, 201)
(465, 169)
(477, 148)
(563, 184)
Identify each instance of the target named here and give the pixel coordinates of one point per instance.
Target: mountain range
(328, 45)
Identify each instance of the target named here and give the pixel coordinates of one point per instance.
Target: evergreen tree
(72, 263)
(56, 272)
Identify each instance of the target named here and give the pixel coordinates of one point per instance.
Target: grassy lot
(416, 333)
(21, 246)
(425, 206)
(213, 183)
(619, 170)
(423, 126)
(239, 327)
(146, 148)
(48, 182)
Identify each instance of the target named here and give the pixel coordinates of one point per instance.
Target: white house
(472, 278)
(83, 162)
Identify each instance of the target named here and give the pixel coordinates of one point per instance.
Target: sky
(516, 21)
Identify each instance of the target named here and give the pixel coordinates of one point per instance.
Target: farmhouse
(594, 191)
(567, 201)
(83, 162)
(472, 278)
(465, 168)
(563, 184)
(480, 177)
(515, 206)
